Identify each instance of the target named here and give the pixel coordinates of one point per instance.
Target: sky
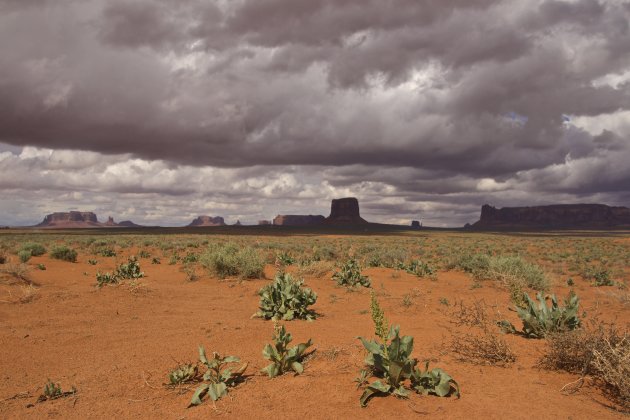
(159, 111)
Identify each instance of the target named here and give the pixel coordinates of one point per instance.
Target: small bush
(53, 391)
(3, 257)
(24, 256)
(34, 249)
(232, 260)
(106, 252)
(349, 275)
(144, 254)
(41, 267)
(599, 276)
(286, 299)
(184, 374)
(420, 269)
(315, 268)
(64, 253)
(92, 262)
(155, 260)
(284, 359)
(486, 348)
(540, 320)
(130, 270)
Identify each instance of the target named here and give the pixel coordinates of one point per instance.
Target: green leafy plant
(106, 278)
(540, 319)
(144, 254)
(285, 299)
(349, 275)
(600, 276)
(229, 259)
(64, 253)
(53, 391)
(107, 252)
(24, 256)
(284, 359)
(284, 258)
(218, 377)
(41, 267)
(389, 359)
(130, 270)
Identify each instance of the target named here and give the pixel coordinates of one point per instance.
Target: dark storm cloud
(412, 100)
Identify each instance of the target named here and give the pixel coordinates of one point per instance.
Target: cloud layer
(252, 107)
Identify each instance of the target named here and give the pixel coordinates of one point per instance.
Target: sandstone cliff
(71, 219)
(298, 220)
(554, 216)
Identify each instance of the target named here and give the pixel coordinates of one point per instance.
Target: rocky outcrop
(345, 211)
(298, 220)
(71, 219)
(415, 224)
(264, 222)
(203, 221)
(562, 216)
(238, 223)
(110, 222)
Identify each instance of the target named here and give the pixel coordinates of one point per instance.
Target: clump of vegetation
(600, 351)
(350, 275)
(420, 269)
(155, 260)
(144, 254)
(599, 276)
(390, 360)
(284, 359)
(315, 268)
(130, 270)
(183, 374)
(34, 249)
(92, 262)
(226, 260)
(218, 377)
(106, 252)
(540, 319)
(3, 257)
(41, 267)
(284, 258)
(486, 348)
(190, 258)
(53, 391)
(513, 271)
(285, 299)
(64, 253)
(24, 256)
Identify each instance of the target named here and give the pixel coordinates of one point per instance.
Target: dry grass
(600, 351)
(15, 274)
(316, 269)
(486, 348)
(28, 293)
(473, 315)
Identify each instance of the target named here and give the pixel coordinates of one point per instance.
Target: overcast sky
(158, 111)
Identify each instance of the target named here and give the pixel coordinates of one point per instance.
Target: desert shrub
(315, 268)
(600, 276)
(420, 269)
(190, 258)
(231, 260)
(34, 249)
(106, 252)
(183, 374)
(513, 271)
(218, 377)
(3, 257)
(130, 270)
(41, 267)
(64, 253)
(382, 256)
(390, 361)
(16, 271)
(286, 299)
(92, 262)
(284, 258)
(24, 256)
(53, 391)
(144, 254)
(349, 275)
(485, 348)
(600, 350)
(155, 260)
(284, 359)
(540, 319)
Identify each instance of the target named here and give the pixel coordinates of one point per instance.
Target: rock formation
(345, 211)
(129, 223)
(298, 220)
(202, 221)
(238, 223)
(264, 222)
(554, 216)
(415, 224)
(71, 219)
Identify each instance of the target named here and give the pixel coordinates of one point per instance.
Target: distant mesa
(298, 220)
(415, 224)
(264, 222)
(79, 219)
(343, 212)
(203, 221)
(558, 216)
(238, 223)
(71, 219)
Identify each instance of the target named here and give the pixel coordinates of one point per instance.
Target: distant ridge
(556, 216)
(203, 221)
(78, 220)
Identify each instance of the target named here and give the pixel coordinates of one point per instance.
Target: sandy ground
(117, 345)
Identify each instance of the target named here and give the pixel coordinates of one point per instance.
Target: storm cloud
(248, 108)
